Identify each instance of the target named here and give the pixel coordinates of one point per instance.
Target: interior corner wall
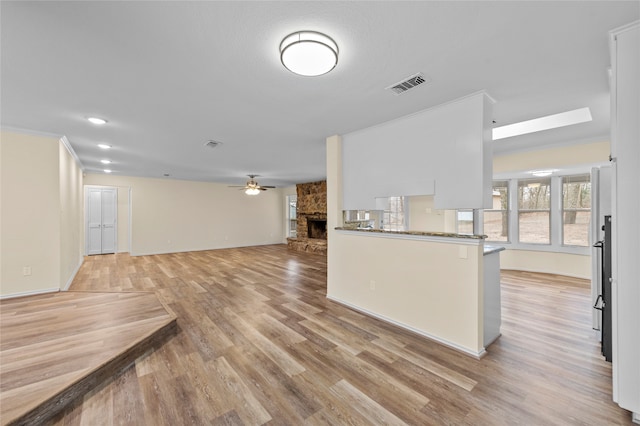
(31, 216)
(71, 214)
(170, 215)
(572, 265)
(560, 157)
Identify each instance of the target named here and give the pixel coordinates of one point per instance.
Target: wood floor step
(56, 347)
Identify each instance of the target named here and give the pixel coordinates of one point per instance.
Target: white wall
(40, 210)
(443, 151)
(572, 265)
(421, 285)
(71, 207)
(423, 216)
(625, 107)
(553, 158)
(169, 215)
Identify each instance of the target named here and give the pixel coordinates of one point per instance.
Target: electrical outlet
(26, 271)
(462, 252)
(372, 285)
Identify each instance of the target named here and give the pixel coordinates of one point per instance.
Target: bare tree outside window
(394, 215)
(534, 208)
(496, 219)
(576, 210)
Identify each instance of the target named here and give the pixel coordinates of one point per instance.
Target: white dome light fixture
(309, 53)
(97, 120)
(252, 191)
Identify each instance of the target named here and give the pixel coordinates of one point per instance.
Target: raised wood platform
(56, 347)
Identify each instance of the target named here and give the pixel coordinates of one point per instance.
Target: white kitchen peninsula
(431, 283)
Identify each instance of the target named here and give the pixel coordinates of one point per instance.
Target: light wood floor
(259, 343)
(56, 346)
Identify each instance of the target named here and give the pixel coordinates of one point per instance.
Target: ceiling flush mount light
(542, 173)
(97, 120)
(104, 146)
(576, 116)
(308, 53)
(107, 171)
(105, 161)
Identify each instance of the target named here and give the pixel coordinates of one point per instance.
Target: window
(465, 221)
(292, 216)
(496, 219)
(576, 210)
(534, 199)
(393, 218)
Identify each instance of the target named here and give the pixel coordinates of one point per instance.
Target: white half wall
(425, 286)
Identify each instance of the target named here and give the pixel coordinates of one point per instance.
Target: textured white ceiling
(171, 75)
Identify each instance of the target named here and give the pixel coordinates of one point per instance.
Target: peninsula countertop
(416, 233)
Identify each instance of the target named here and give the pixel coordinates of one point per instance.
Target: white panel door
(109, 215)
(101, 220)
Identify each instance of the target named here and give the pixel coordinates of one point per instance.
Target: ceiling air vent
(212, 144)
(408, 83)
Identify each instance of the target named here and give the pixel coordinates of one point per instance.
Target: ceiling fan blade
(237, 186)
(266, 186)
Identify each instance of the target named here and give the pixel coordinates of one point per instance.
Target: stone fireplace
(311, 213)
(317, 228)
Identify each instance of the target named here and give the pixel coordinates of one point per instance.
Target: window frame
(527, 182)
(556, 224)
(563, 210)
(504, 183)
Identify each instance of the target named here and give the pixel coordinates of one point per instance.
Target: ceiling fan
(252, 187)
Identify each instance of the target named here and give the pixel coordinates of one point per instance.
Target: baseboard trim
(466, 351)
(73, 274)
(29, 293)
(546, 271)
(134, 254)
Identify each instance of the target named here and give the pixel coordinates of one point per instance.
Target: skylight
(554, 121)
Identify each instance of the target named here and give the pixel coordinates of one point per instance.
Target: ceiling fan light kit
(252, 191)
(252, 187)
(309, 53)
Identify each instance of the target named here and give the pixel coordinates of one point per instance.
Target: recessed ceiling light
(107, 171)
(308, 53)
(104, 146)
(542, 173)
(97, 120)
(105, 161)
(554, 121)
